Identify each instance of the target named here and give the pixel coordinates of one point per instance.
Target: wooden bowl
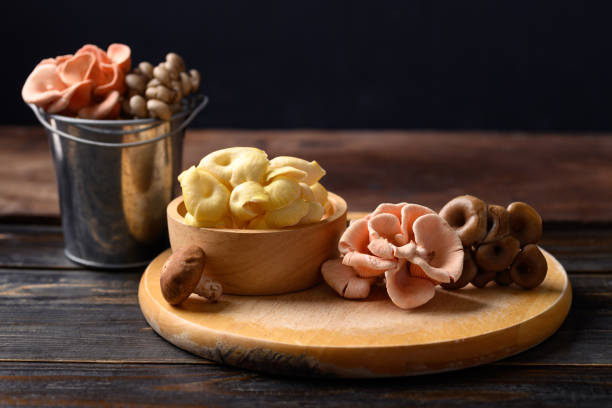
(262, 262)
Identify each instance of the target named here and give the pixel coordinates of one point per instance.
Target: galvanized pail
(115, 179)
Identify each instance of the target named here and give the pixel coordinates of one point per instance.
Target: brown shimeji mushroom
(498, 223)
(468, 216)
(482, 278)
(525, 223)
(468, 273)
(529, 269)
(503, 278)
(182, 275)
(496, 256)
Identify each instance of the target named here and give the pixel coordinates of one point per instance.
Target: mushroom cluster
(499, 244)
(157, 92)
(407, 246)
(87, 84)
(239, 187)
(182, 274)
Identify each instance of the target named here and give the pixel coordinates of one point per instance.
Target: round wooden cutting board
(317, 333)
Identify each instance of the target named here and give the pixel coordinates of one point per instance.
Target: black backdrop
(446, 64)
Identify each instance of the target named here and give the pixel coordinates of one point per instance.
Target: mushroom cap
(235, 165)
(386, 226)
(366, 265)
(344, 280)
(108, 108)
(468, 216)
(525, 223)
(409, 214)
(387, 208)
(181, 273)
(43, 86)
(355, 237)
(482, 278)
(497, 255)
(120, 54)
(530, 267)
(498, 223)
(313, 170)
(74, 98)
(468, 272)
(407, 292)
(442, 245)
(503, 278)
(76, 69)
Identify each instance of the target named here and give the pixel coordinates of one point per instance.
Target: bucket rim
(190, 111)
(185, 109)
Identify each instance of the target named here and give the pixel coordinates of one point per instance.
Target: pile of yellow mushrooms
(240, 188)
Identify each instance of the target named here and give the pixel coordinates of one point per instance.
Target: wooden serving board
(317, 333)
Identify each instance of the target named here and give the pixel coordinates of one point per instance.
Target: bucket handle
(181, 127)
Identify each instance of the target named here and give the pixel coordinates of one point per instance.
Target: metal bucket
(115, 179)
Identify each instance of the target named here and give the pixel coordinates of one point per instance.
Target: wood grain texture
(80, 315)
(580, 248)
(166, 385)
(262, 262)
(566, 178)
(317, 333)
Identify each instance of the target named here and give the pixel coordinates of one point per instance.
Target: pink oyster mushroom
(409, 245)
(87, 84)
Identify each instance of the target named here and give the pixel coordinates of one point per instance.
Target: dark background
(525, 65)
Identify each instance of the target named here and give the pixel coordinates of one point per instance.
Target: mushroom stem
(208, 288)
(407, 251)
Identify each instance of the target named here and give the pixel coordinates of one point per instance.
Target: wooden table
(76, 337)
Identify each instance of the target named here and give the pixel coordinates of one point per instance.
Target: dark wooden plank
(33, 246)
(77, 315)
(580, 248)
(566, 178)
(147, 385)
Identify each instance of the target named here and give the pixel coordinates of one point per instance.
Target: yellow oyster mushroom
(225, 222)
(247, 199)
(314, 214)
(287, 216)
(320, 193)
(206, 199)
(281, 193)
(314, 172)
(306, 193)
(236, 165)
(286, 171)
(258, 222)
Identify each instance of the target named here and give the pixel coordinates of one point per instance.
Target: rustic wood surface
(76, 337)
(566, 177)
(315, 332)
